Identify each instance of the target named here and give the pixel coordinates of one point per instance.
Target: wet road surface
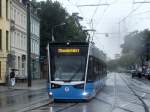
(121, 94)
(16, 100)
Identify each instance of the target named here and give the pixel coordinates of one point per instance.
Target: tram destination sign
(72, 51)
(68, 50)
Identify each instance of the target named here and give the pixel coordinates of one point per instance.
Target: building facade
(19, 37)
(35, 45)
(4, 38)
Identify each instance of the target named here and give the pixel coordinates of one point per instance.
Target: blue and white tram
(76, 70)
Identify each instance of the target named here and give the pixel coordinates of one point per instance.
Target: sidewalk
(4, 88)
(36, 85)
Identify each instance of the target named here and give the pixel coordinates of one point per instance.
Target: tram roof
(69, 43)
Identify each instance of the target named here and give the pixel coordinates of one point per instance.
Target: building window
(22, 41)
(12, 39)
(15, 34)
(12, 13)
(15, 14)
(0, 39)
(19, 64)
(0, 71)
(7, 9)
(7, 39)
(18, 40)
(0, 8)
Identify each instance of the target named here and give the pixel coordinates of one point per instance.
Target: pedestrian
(12, 77)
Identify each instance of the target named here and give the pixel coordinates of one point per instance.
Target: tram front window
(68, 68)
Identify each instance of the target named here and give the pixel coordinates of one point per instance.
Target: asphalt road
(121, 94)
(20, 100)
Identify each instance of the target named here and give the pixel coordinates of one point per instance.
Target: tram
(77, 70)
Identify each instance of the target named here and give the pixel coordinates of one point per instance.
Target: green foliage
(134, 50)
(112, 65)
(52, 14)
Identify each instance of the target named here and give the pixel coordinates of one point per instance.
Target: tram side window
(90, 74)
(96, 69)
(103, 71)
(100, 70)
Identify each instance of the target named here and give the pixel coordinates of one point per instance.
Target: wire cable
(134, 10)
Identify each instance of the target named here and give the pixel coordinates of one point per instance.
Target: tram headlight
(85, 93)
(50, 93)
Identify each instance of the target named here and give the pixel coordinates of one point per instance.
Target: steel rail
(59, 110)
(146, 108)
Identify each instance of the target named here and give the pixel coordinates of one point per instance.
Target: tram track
(100, 100)
(64, 107)
(67, 107)
(113, 105)
(146, 108)
(60, 108)
(35, 105)
(24, 92)
(139, 88)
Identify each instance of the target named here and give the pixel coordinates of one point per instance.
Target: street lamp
(52, 30)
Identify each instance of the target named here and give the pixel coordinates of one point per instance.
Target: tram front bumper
(72, 96)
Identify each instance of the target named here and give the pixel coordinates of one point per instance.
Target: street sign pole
(28, 46)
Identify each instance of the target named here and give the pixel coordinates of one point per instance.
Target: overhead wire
(95, 11)
(131, 12)
(140, 13)
(105, 11)
(103, 15)
(91, 25)
(100, 20)
(75, 5)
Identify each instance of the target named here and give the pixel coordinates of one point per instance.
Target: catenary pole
(28, 46)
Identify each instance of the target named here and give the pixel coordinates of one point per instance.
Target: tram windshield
(68, 67)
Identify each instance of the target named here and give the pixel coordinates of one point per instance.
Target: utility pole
(28, 46)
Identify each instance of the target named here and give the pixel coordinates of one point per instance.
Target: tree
(52, 14)
(136, 48)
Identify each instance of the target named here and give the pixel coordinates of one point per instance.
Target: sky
(111, 22)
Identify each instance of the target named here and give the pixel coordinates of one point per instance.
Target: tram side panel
(95, 76)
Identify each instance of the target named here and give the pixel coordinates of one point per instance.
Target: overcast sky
(106, 19)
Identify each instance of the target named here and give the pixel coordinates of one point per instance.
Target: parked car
(133, 73)
(147, 74)
(136, 73)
